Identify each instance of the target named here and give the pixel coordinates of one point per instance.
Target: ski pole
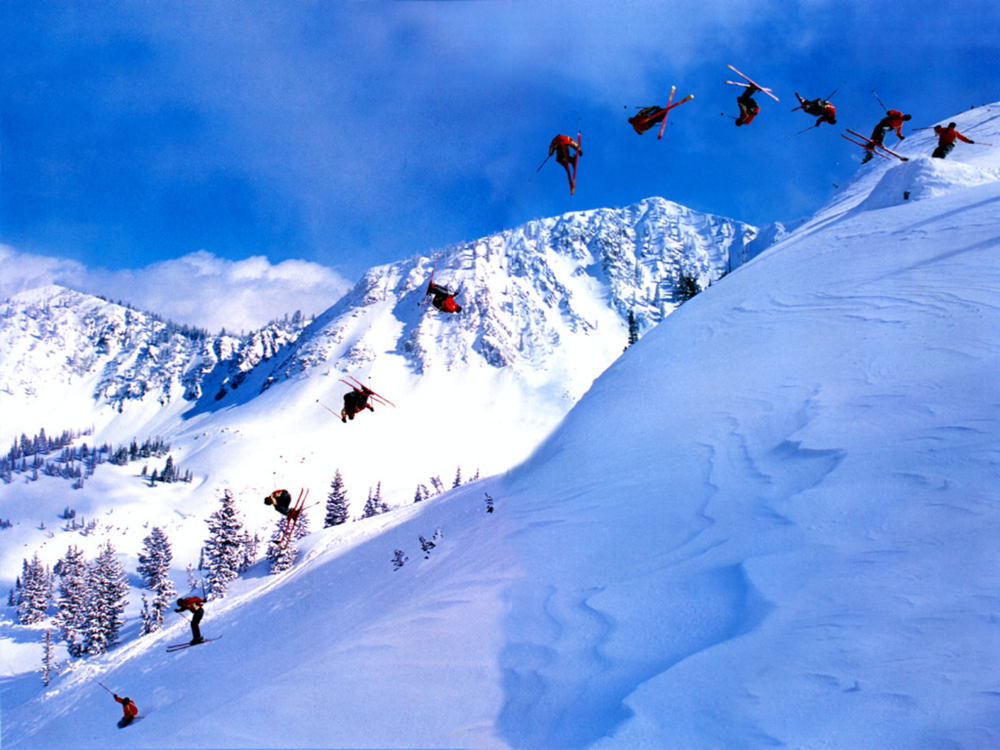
(880, 102)
(327, 408)
(543, 163)
(106, 688)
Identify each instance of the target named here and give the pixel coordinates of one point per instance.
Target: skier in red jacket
(946, 140)
(561, 146)
(893, 120)
(193, 604)
(442, 299)
(748, 106)
(820, 108)
(129, 709)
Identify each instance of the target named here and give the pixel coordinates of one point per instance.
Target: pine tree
(154, 569)
(74, 593)
(49, 664)
(371, 507)
(225, 549)
(458, 478)
(35, 592)
(336, 503)
(633, 329)
(687, 287)
(106, 606)
(283, 558)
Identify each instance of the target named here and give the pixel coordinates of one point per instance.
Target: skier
(946, 140)
(282, 502)
(355, 401)
(560, 146)
(893, 120)
(646, 118)
(129, 709)
(748, 107)
(820, 108)
(442, 299)
(193, 604)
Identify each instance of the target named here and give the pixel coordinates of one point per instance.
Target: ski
(864, 146)
(383, 399)
(292, 518)
(576, 157)
(669, 107)
(876, 144)
(752, 81)
(182, 646)
(434, 267)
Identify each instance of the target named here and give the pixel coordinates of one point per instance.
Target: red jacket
(947, 136)
(191, 604)
(894, 119)
(562, 142)
(128, 707)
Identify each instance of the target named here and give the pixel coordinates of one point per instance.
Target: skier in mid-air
(893, 120)
(946, 140)
(281, 500)
(748, 106)
(819, 108)
(567, 151)
(355, 401)
(193, 604)
(443, 299)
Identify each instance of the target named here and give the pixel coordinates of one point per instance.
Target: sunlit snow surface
(772, 522)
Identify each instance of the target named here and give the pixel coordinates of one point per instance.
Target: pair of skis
(670, 105)
(750, 82)
(292, 517)
(576, 157)
(181, 646)
(359, 386)
(872, 146)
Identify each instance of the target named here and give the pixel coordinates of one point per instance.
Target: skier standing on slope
(129, 709)
(748, 106)
(893, 120)
(820, 108)
(946, 140)
(193, 604)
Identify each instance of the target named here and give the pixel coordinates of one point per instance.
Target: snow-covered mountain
(770, 522)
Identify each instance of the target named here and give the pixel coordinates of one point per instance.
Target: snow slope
(770, 522)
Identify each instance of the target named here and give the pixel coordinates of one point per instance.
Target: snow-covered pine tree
(106, 606)
(282, 559)
(458, 478)
(437, 484)
(380, 504)
(633, 329)
(336, 502)
(225, 549)
(250, 546)
(150, 624)
(74, 592)
(35, 592)
(371, 508)
(49, 664)
(154, 569)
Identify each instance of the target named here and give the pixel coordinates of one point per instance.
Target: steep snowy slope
(771, 522)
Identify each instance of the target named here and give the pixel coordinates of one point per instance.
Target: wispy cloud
(198, 289)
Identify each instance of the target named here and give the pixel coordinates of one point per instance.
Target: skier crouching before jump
(193, 604)
(129, 709)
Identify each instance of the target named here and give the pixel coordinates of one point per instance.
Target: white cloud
(198, 288)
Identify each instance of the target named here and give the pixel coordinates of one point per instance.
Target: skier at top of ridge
(946, 140)
(893, 120)
(820, 108)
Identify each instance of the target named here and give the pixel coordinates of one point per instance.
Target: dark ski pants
(195, 630)
(942, 151)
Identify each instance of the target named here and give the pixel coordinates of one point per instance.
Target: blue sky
(343, 135)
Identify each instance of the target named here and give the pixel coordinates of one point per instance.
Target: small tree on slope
(336, 503)
(74, 594)
(154, 569)
(224, 550)
(108, 598)
(35, 592)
